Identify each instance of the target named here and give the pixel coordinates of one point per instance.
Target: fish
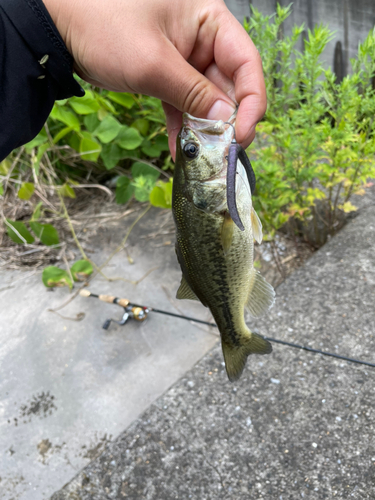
(216, 254)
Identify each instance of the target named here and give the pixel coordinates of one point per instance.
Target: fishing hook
(236, 152)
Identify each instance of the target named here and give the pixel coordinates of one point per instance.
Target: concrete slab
(66, 387)
(296, 425)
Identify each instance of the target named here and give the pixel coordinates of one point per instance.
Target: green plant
(117, 138)
(103, 131)
(316, 144)
(55, 277)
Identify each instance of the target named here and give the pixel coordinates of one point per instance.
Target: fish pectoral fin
(184, 291)
(257, 226)
(261, 295)
(227, 232)
(235, 356)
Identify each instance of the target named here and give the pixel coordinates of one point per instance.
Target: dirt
(96, 449)
(41, 405)
(43, 447)
(90, 212)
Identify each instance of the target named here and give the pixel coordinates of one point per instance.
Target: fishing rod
(140, 314)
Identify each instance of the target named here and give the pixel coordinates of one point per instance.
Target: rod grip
(107, 298)
(122, 302)
(111, 299)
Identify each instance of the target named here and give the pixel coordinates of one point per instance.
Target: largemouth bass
(216, 256)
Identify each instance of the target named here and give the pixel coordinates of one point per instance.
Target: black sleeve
(29, 88)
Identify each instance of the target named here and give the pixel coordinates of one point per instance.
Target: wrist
(58, 10)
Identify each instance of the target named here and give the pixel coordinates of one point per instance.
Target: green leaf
(91, 122)
(74, 141)
(348, 207)
(37, 211)
(1, 190)
(47, 234)
(67, 191)
(143, 187)
(41, 150)
(102, 113)
(39, 139)
(161, 195)
(142, 169)
(107, 105)
(63, 132)
(111, 154)
(84, 105)
(65, 116)
(124, 190)
(61, 102)
(129, 138)
(55, 277)
(89, 148)
(23, 236)
(5, 166)
(161, 142)
(126, 100)
(142, 125)
(108, 129)
(150, 149)
(81, 270)
(26, 190)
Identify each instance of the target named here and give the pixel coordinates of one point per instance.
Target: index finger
(237, 57)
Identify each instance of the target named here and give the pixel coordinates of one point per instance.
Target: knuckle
(196, 98)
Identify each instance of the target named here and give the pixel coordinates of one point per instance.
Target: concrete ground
(66, 387)
(296, 425)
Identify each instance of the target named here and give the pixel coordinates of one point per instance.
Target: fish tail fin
(235, 356)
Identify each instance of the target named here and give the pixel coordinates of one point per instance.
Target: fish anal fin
(261, 295)
(227, 232)
(184, 291)
(256, 226)
(235, 356)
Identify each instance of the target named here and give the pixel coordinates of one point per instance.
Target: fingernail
(221, 110)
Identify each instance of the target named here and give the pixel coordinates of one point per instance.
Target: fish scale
(215, 256)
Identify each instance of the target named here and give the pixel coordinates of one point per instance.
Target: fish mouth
(210, 127)
(224, 133)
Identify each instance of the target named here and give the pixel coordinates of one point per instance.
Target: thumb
(180, 85)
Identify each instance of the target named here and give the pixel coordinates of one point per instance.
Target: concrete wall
(350, 19)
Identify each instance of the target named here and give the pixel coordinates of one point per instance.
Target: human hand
(194, 56)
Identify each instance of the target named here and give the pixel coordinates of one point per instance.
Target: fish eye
(191, 150)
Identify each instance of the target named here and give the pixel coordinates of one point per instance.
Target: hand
(194, 56)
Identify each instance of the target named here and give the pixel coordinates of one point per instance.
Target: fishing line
(139, 313)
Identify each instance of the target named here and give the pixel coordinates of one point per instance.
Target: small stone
(275, 380)
(314, 445)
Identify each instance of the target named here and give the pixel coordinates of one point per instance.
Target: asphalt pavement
(296, 425)
(68, 387)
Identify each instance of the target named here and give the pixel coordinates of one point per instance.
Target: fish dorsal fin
(184, 291)
(261, 295)
(227, 232)
(257, 226)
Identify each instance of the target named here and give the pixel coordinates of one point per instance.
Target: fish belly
(221, 281)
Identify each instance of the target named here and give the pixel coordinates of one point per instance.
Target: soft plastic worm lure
(236, 152)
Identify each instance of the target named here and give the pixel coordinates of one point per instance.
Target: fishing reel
(131, 311)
